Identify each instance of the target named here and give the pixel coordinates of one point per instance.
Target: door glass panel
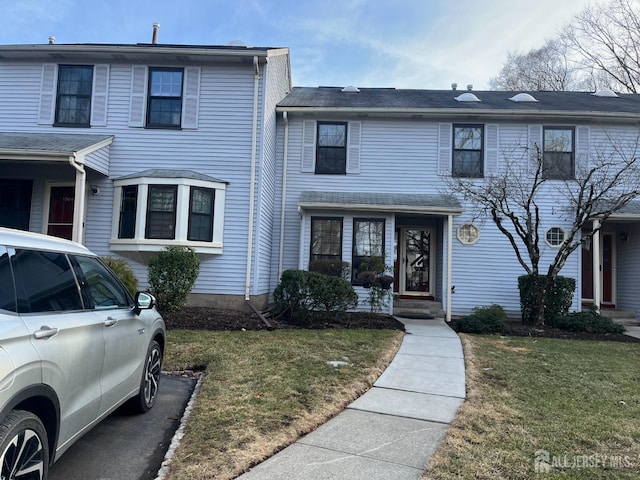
(417, 260)
(104, 290)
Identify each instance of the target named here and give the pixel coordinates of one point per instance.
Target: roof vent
(467, 97)
(454, 86)
(237, 43)
(605, 93)
(523, 97)
(351, 89)
(52, 40)
(469, 87)
(154, 36)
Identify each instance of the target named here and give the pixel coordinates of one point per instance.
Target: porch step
(417, 308)
(619, 316)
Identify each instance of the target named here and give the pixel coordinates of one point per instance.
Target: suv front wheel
(24, 449)
(146, 397)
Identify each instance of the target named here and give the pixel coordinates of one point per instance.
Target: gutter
(285, 117)
(252, 184)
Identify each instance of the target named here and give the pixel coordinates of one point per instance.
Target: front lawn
(262, 390)
(545, 408)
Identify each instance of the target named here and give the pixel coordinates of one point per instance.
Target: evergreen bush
(122, 269)
(172, 274)
(557, 300)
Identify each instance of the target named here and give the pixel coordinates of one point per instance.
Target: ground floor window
(326, 246)
(368, 247)
(154, 212)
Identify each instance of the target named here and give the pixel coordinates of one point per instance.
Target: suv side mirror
(144, 301)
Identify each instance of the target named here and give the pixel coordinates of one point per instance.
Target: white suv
(74, 345)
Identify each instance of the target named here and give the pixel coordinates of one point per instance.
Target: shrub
(557, 300)
(483, 320)
(587, 321)
(302, 292)
(122, 269)
(172, 274)
(335, 268)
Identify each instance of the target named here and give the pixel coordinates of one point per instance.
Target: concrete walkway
(633, 331)
(393, 429)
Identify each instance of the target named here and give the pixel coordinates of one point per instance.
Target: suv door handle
(45, 332)
(110, 322)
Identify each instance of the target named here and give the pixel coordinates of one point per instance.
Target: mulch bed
(200, 318)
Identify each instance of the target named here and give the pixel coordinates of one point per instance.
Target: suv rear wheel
(24, 449)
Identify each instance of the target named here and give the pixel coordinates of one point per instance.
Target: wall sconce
(95, 189)
(624, 237)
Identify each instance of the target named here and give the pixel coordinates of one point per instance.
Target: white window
(468, 234)
(555, 236)
(151, 212)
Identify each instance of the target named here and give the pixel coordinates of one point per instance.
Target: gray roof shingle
(59, 143)
(172, 173)
(382, 201)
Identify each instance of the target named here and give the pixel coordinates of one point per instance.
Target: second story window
(558, 158)
(468, 143)
(73, 102)
(331, 149)
(164, 106)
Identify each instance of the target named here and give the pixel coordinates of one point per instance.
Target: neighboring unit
(131, 148)
(366, 173)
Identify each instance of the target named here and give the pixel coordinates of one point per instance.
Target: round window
(468, 234)
(555, 236)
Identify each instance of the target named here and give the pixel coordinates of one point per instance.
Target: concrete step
(412, 308)
(621, 316)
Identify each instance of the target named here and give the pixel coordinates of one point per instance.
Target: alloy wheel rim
(152, 376)
(23, 457)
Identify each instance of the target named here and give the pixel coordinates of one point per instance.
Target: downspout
(252, 186)
(285, 162)
(597, 282)
(78, 200)
(449, 265)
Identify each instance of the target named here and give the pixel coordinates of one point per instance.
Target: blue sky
(368, 43)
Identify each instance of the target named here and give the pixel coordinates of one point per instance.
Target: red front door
(60, 221)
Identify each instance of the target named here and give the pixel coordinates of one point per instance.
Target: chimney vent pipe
(154, 37)
(52, 40)
(469, 87)
(454, 86)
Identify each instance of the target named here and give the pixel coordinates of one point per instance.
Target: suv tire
(24, 447)
(146, 397)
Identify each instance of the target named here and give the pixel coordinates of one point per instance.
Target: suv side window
(103, 289)
(7, 291)
(45, 282)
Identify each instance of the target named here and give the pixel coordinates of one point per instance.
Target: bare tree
(545, 68)
(603, 185)
(605, 38)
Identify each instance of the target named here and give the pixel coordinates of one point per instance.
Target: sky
(425, 44)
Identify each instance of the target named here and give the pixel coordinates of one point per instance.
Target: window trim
(149, 212)
(190, 212)
(142, 244)
(150, 97)
(481, 150)
(56, 121)
(572, 153)
(345, 147)
(465, 241)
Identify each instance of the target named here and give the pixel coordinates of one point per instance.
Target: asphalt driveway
(127, 445)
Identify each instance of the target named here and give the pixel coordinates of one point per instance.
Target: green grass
(262, 390)
(579, 399)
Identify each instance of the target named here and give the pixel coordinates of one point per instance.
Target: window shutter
(138, 96)
(47, 93)
(535, 146)
(99, 96)
(308, 146)
(191, 97)
(491, 150)
(353, 150)
(444, 149)
(582, 151)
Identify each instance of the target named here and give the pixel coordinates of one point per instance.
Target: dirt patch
(200, 318)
